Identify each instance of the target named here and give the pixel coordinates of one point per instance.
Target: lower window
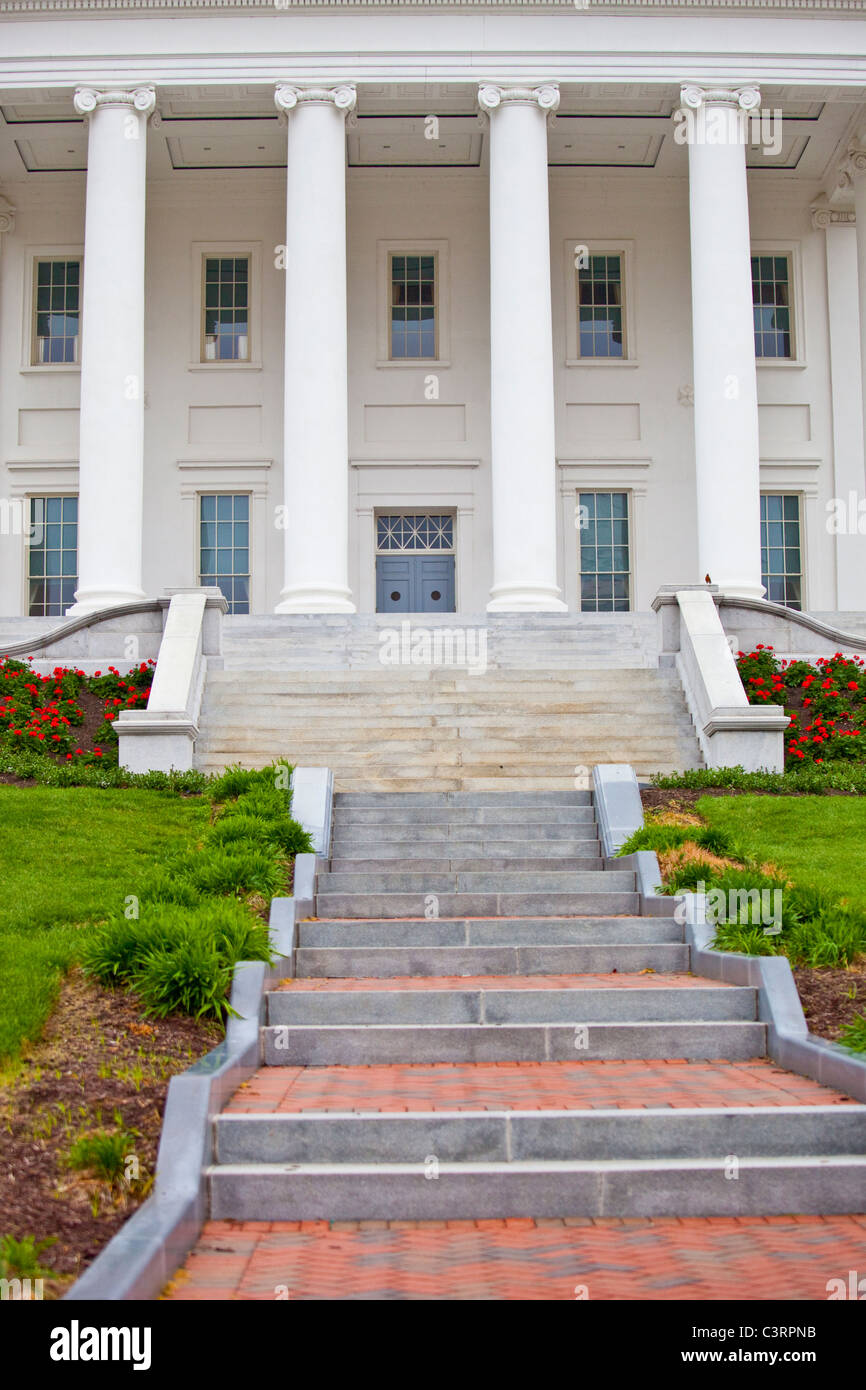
(781, 552)
(52, 557)
(605, 560)
(224, 546)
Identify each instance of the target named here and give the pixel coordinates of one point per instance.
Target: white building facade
(417, 308)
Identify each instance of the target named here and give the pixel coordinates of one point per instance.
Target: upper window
(413, 306)
(52, 559)
(781, 553)
(56, 312)
(772, 302)
(225, 309)
(601, 325)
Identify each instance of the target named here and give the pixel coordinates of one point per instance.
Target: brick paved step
(335, 1045)
(594, 1187)
(492, 1005)
(377, 962)
(481, 904)
(492, 931)
(530, 1135)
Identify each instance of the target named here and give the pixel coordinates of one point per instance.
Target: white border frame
(413, 246)
(609, 246)
(198, 251)
(32, 254)
(793, 250)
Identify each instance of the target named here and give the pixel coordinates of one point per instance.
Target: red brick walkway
(775, 1258)
(575, 1085)
(643, 979)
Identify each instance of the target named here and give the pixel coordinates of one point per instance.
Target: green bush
(242, 867)
(814, 781)
(666, 837)
(191, 977)
(236, 781)
(103, 1153)
(854, 1034)
(19, 1259)
(279, 830)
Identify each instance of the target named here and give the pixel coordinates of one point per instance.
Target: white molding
(91, 7)
(597, 246)
(238, 248)
(414, 246)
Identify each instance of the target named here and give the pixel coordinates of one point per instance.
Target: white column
(523, 440)
(111, 453)
(316, 439)
(727, 454)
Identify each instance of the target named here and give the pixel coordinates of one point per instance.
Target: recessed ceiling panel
(577, 141)
(413, 141)
(46, 153)
(251, 145)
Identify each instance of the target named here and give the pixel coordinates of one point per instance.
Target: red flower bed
(68, 715)
(826, 703)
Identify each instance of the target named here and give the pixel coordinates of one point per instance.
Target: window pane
(771, 297)
(224, 557)
(781, 556)
(604, 552)
(599, 294)
(52, 555)
(413, 307)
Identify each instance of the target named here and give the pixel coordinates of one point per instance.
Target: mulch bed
(98, 1056)
(94, 718)
(826, 996)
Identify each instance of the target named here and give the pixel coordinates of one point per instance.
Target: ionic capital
(693, 97)
(89, 99)
(288, 97)
(491, 97)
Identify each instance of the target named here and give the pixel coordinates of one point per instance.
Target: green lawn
(68, 856)
(819, 840)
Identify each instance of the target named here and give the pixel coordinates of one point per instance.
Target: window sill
(618, 362)
(52, 368)
(224, 367)
(785, 363)
(416, 363)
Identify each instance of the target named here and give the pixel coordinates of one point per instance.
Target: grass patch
(67, 858)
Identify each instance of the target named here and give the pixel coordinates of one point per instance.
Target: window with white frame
(56, 332)
(225, 308)
(601, 324)
(605, 552)
(413, 306)
(52, 556)
(781, 548)
(773, 306)
(224, 546)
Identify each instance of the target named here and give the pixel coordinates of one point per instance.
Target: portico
(501, 341)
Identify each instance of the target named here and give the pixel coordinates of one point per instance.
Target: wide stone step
(509, 837)
(369, 800)
(350, 1045)
(385, 961)
(592, 1187)
(480, 904)
(508, 1136)
(484, 880)
(494, 931)
(490, 1005)
(345, 869)
(456, 816)
(349, 853)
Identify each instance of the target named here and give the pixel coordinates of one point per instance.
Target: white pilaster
(521, 352)
(316, 370)
(727, 454)
(111, 454)
(846, 396)
(854, 175)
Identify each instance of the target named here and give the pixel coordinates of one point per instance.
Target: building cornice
(825, 8)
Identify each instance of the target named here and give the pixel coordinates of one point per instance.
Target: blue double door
(415, 584)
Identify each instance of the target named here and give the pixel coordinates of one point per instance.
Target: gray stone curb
(789, 1041)
(150, 1247)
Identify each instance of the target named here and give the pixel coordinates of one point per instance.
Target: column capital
(287, 97)
(853, 166)
(491, 97)
(89, 99)
(823, 215)
(693, 97)
(7, 215)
